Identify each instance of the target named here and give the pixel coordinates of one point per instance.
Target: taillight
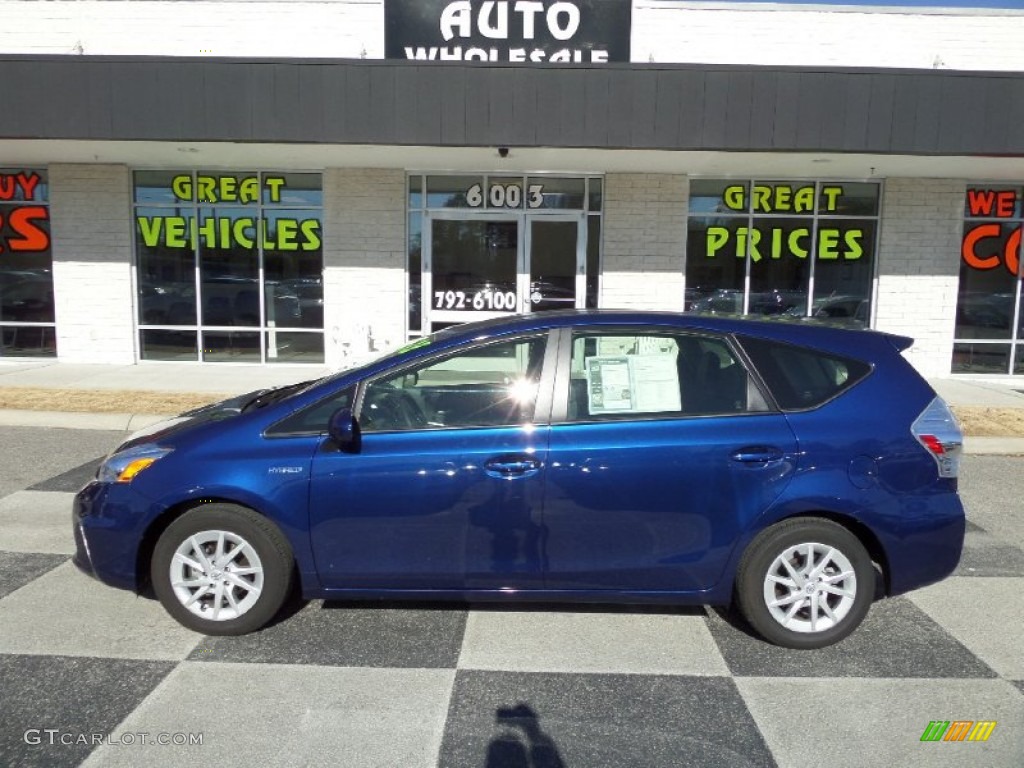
(938, 431)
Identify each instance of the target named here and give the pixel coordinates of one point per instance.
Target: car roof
(796, 330)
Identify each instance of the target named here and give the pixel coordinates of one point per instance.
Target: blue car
(792, 469)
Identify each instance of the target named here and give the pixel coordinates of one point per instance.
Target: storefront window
(782, 248)
(26, 265)
(224, 261)
(988, 316)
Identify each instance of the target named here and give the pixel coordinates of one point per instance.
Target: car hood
(219, 411)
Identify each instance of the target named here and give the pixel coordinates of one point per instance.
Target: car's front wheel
(805, 583)
(222, 569)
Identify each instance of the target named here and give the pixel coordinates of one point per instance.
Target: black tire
(269, 551)
(760, 560)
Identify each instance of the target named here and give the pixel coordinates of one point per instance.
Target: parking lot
(92, 674)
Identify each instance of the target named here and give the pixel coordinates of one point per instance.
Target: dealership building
(293, 181)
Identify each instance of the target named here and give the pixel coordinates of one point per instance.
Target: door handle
(511, 466)
(757, 454)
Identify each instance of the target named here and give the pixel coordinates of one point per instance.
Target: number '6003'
(505, 196)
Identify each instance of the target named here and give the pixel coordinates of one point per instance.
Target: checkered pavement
(405, 685)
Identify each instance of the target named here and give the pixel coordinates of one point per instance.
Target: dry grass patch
(103, 400)
(978, 421)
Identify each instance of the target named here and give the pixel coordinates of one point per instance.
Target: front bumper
(108, 521)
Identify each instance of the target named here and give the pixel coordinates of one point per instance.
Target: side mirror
(344, 430)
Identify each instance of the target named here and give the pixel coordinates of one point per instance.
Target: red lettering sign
(23, 228)
(10, 183)
(977, 256)
(989, 202)
(28, 235)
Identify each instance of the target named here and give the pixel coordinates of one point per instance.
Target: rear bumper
(926, 547)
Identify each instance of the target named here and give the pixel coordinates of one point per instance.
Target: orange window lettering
(977, 255)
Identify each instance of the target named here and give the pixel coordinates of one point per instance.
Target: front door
(444, 492)
(479, 266)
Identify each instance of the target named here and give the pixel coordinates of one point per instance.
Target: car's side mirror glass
(344, 430)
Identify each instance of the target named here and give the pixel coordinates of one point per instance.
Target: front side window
(624, 375)
(26, 261)
(230, 266)
(493, 385)
(782, 248)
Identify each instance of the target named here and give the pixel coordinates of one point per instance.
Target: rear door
(661, 450)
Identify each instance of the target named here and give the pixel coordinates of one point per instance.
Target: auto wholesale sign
(508, 31)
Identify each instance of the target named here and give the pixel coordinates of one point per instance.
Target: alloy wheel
(810, 587)
(217, 575)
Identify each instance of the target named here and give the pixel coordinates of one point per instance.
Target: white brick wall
(918, 267)
(776, 34)
(644, 231)
(349, 29)
(663, 31)
(90, 210)
(364, 262)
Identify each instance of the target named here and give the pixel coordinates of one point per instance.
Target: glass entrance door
(557, 264)
(471, 270)
(478, 267)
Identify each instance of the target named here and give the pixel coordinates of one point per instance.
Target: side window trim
(562, 375)
(546, 386)
(756, 385)
(542, 405)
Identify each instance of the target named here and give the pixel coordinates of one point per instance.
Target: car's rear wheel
(805, 583)
(222, 569)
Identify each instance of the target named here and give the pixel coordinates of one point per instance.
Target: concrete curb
(119, 422)
(129, 422)
(994, 446)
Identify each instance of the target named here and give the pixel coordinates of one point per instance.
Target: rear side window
(801, 378)
(622, 375)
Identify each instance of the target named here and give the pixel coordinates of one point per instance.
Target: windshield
(417, 344)
(277, 394)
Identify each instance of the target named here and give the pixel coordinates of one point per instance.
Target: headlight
(124, 466)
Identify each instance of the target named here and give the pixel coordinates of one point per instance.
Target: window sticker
(632, 384)
(656, 383)
(608, 382)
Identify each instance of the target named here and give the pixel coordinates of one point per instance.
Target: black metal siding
(684, 107)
